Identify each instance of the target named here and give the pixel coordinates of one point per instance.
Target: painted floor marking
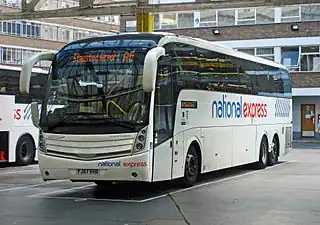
(31, 186)
(87, 199)
(231, 178)
(213, 182)
(62, 191)
(42, 195)
(17, 172)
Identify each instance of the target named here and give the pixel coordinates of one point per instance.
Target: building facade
(289, 35)
(20, 39)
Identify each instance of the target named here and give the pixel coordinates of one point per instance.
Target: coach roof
(218, 48)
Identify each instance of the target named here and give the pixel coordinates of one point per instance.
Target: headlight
(42, 142)
(140, 141)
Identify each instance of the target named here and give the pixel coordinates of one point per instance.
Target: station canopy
(33, 9)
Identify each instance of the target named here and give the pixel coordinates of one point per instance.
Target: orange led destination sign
(127, 56)
(189, 104)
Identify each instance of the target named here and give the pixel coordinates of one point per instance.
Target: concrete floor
(288, 193)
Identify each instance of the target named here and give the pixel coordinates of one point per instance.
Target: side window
(286, 77)
(187, 76)
(37, 86)
(4, 81)
(261, 79)
(170, 49)
(280, 82)
(276, 82)
(216, 71)
(9, 84)
(165, 105)
(245, 80)
(240, 80)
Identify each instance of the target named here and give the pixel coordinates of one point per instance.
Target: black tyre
(263, 156)
(192, 169)
(273, 154)
(25, 151)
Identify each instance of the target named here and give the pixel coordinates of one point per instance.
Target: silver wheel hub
(273, 150)
(264, 152)
(24, 152)
(191, 165)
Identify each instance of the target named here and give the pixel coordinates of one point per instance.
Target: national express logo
(119, 164)
(238, 109)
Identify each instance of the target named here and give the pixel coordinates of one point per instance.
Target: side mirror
(35, 114)
(150, 68)
(26, 70)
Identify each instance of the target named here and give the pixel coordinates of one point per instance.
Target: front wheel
(192, 170)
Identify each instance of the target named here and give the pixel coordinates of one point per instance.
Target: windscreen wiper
(117, 122)
(99, 98)
(76, 117)
(123, 93)
(71, 117)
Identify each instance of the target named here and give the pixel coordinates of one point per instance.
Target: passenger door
(164, 108)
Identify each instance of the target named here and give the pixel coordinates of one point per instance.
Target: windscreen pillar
(144, 22)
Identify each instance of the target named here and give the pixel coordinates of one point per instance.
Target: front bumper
(129, 168)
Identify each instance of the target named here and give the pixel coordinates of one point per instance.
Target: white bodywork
(6, 117)
(16, 119)
(109, 153)
(22, 126)
(223, 142)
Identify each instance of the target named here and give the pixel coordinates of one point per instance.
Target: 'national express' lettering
(238, 109)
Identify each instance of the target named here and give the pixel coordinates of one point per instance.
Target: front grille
(87, 157)
(90, 147)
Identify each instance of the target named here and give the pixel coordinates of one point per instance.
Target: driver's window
(164, 104)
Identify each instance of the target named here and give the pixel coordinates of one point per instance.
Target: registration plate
(87, 171)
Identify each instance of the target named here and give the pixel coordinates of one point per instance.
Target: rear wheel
(273, 154)
(192, 170)
(25, 151)
(263, 156)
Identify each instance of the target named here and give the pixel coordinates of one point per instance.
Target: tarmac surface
(288, 193)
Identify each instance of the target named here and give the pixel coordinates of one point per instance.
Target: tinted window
(268, 80)
(285, 76)
(242, 78)
(186, 75)
(200, 68)
(165, 102)
(9, 84)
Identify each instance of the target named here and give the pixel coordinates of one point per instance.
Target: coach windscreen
(99, 86)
